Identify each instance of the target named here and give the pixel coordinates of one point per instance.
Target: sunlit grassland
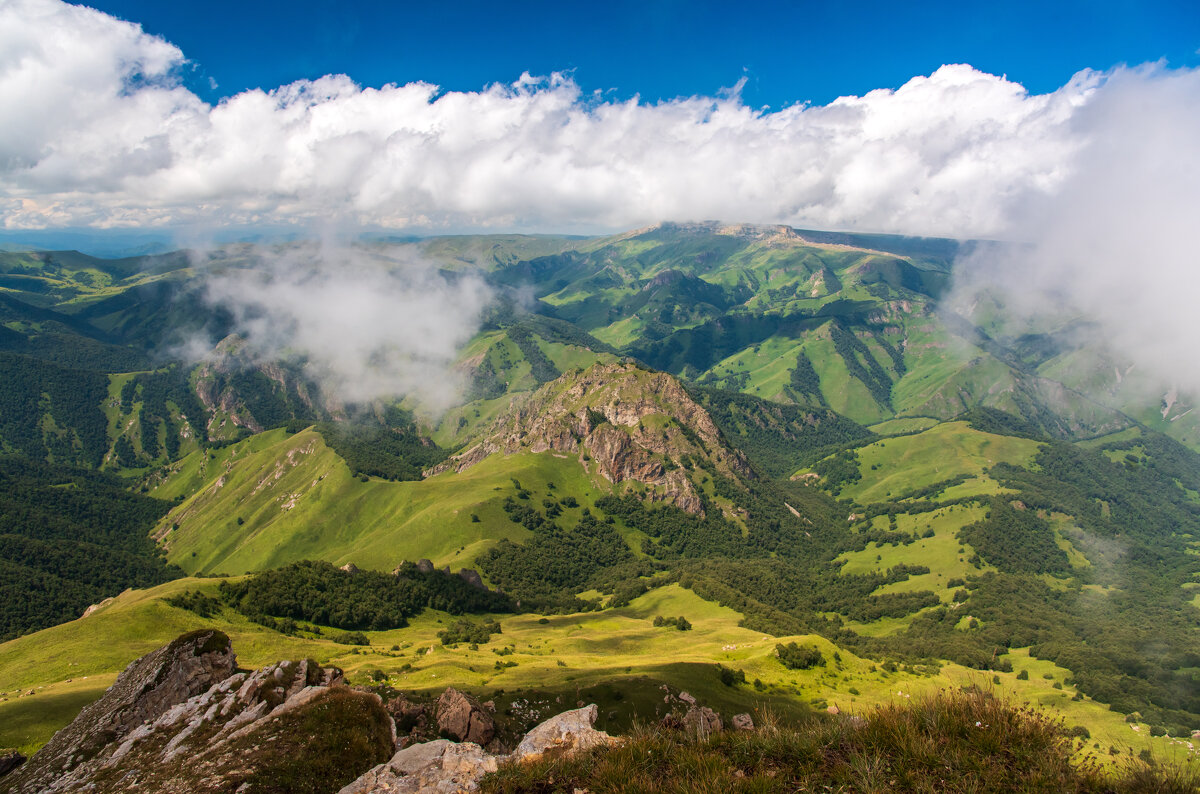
(845, 394)
(937, 379)
(940, 553)
(945, 451)
(902, 424)
(276, 499)
(620, 649)
(768, 367)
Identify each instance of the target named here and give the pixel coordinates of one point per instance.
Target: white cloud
(1115, 242)
(368, 324)
(99, 132)
(1100, 177)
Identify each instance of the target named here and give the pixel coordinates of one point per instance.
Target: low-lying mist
(1115, 244)
(368, 325)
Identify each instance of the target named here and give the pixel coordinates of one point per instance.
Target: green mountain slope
(773, 433)
(850, 322)
(617, 658)
(275, 498)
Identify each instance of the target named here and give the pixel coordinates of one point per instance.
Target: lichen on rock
(182, 719)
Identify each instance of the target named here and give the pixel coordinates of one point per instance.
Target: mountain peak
(624, 423)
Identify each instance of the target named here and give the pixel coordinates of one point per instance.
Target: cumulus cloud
(366, 325)
(1098, 179)
(98, 131)
(1114, 243)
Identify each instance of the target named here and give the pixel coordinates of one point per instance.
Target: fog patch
(1111, 252)
(367, 325)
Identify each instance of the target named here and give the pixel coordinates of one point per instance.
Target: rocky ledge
(184, 719)
(446, 766)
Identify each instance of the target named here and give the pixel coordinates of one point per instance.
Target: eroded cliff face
(227, 380)
(623, 423)
(183, 719)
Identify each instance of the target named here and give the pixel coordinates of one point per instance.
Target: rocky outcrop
(439, 766)
(409, 717)
(702, 721)
(460, 716)
(10, 760)
(472, 577)
(742, 722)
(183, 720)
(445, 766)
(147, 689)
(99, 605)
(625, 424)
(569, 732)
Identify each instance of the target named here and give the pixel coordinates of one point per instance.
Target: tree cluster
(320, 593)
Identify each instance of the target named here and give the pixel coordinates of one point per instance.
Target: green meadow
(942, 553)
(893, 467)
(617, 656)
(279, 498)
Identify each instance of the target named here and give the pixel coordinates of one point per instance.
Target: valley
(780, 435)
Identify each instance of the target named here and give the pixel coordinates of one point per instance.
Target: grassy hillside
(896, 467)
(1021, 541)
(617, 657)
(277, 498)
(737, 306)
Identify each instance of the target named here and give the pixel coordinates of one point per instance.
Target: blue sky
(951, 119)
(788, 52)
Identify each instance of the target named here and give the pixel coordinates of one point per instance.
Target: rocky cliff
(243, 389)
(183, 719)
(623, 423)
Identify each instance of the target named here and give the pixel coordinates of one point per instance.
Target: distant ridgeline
(831, 451)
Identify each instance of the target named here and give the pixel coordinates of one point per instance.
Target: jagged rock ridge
(624, 423)
(182, 719)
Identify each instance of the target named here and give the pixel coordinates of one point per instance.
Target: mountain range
(766, 434)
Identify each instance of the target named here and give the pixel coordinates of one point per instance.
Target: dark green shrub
(799, 657)
(350, 638)
(467, 631)
(729, 676)
(194, 601)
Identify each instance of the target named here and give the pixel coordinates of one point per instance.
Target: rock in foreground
(10, 760)
(445, 766)
(181, 719)
(462, 717)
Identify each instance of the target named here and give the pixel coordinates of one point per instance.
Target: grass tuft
(964, 740)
